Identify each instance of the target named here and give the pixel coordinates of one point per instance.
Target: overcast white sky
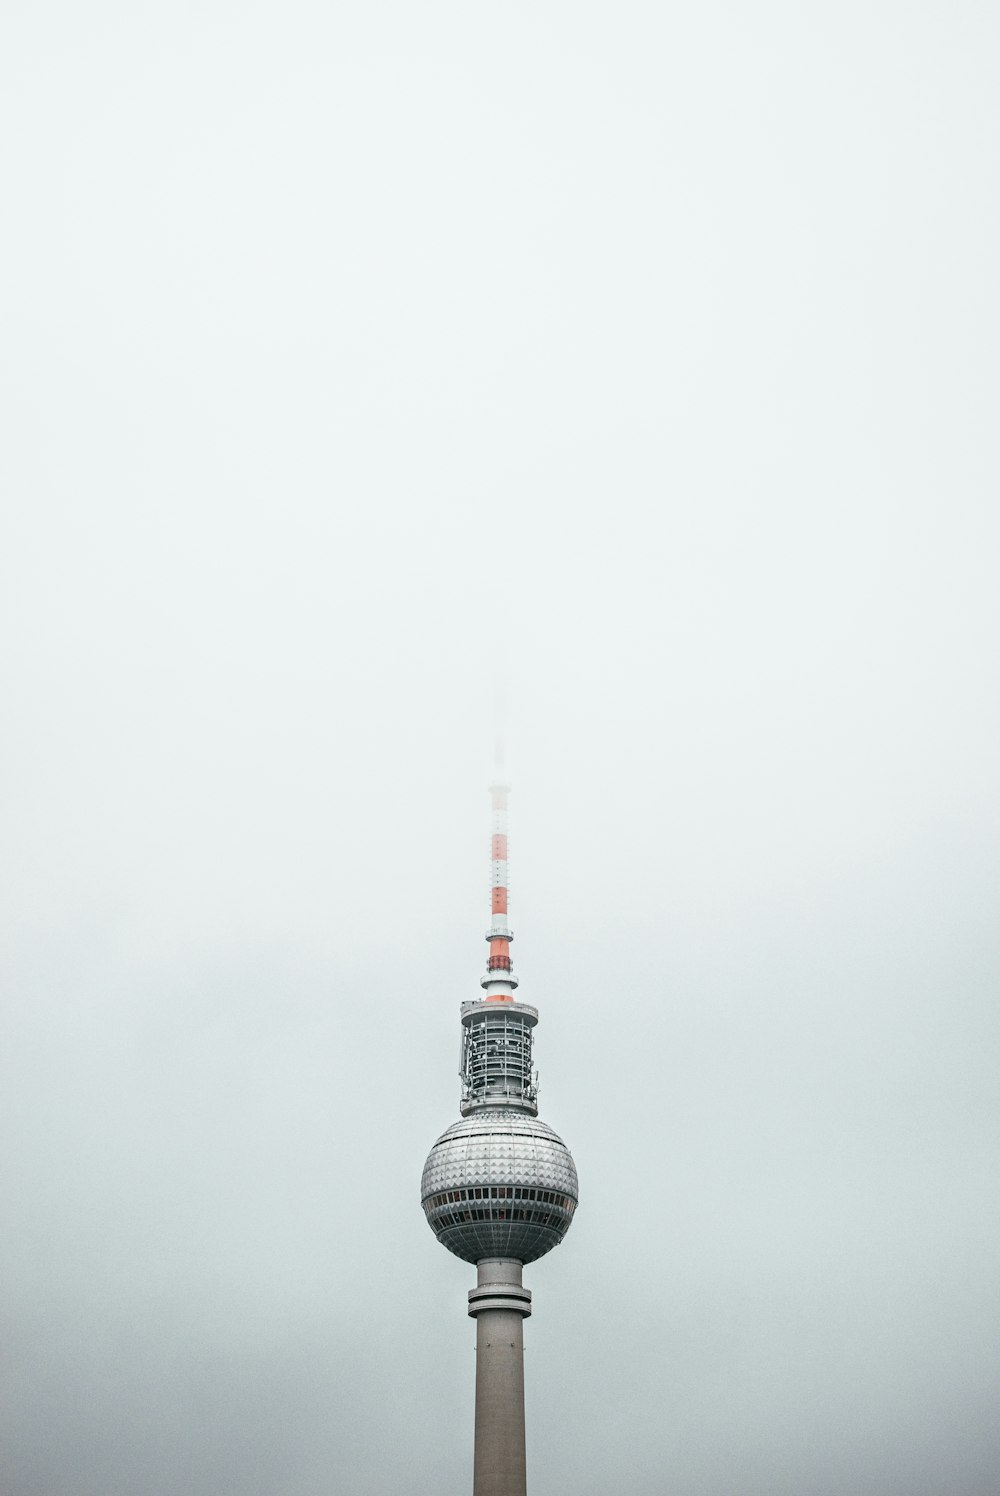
(350, 351)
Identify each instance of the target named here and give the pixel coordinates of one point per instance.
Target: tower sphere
(499, 1184)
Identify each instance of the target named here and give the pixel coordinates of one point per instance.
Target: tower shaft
(499, 1305)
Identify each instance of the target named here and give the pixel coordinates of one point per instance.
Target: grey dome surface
(499, 1183)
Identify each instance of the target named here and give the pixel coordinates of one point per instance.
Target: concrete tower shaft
(499, 1305)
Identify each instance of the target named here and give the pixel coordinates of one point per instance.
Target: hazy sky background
(348, 350)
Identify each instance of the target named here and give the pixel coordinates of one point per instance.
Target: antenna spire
(499, 981)
(499, 726)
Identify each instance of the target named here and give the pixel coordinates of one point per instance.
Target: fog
(355, 358)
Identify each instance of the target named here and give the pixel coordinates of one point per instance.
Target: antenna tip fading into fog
(500, 721)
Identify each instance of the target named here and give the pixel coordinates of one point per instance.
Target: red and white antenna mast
(499, 981)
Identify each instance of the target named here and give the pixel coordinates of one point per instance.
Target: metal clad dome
(500, 1183)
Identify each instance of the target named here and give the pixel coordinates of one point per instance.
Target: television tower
(499, 1187)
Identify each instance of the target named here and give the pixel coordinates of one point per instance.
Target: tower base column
(499, 1305)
